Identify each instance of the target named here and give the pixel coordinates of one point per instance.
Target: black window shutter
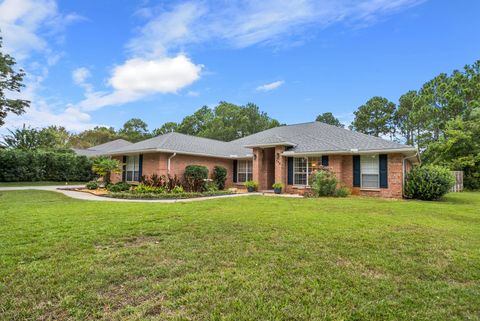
(383, 166)
(124, 169)
(290, 171)
(140, 167)
(235, 165)
(356, 170)
(325, 160)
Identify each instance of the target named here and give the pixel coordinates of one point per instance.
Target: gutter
(352, 152)
(168, 162)
(155, 150)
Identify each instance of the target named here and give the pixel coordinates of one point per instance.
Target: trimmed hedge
(36, 165)
(428, 182)
(127, 195)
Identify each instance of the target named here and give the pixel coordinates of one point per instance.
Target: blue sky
(103, 62)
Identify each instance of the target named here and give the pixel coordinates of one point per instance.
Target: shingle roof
(313, 137)
(102, 149)
(321, 137)
(181, 143)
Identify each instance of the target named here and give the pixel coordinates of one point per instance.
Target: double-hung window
(369, 169)
(132, 169)
(244, 171)
(303, 167)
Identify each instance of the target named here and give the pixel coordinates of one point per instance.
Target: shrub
(178, 190)
(277, 186)
(251, 185)
(105, 166)
(91, 185)
(428, 182)
(127, 195)
(39, 165)
(194, 177)
(220, 176)
(118, 187)
(144, 189)
(342, 192)
(211, 186)
(323, 183)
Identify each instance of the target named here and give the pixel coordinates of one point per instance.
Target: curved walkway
(91, 197)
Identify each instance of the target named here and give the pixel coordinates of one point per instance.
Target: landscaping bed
(133, 195)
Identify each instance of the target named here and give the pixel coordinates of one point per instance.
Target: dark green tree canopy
(328, 118)
(93, 137)
(10, 81)
(375, 117)
(135, 130)
(166, 128)
(226, 122)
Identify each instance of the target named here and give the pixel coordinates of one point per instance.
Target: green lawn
(249, 258)
(40, 183)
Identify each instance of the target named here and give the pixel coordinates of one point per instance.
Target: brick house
(288, 154)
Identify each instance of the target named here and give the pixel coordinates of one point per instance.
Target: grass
(249, 258)
(39, 183)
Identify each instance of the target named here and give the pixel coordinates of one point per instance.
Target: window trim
(378, 172)
(136, 168)
(248, 170)
(307, 173)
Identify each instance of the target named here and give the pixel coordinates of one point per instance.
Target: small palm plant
(104, 167)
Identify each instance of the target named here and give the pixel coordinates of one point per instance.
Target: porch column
(258, 169)
(280, 166)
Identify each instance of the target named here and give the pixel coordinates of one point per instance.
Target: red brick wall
(342, 166)
(156, 163)
(179, 162)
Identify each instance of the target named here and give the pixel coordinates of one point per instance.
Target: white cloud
(23, 21)
(192, 93)
(164, 75)
(138, 77)
(153, 68)
(246, 23)
(270, 86)
(79, 75)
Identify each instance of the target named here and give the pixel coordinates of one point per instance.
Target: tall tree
(328, 118)
(22, 138)
(93, 137)
(404, 117)
(10, 81)
(135, 130)
(375, 117)
(168, 127)
(227, 121)
(196, 123)
(459, 148)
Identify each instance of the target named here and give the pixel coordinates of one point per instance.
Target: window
(244, 171)
(303, 168)
(132, 169)
(369, 169)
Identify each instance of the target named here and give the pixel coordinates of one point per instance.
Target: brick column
(258, 168)
(280, 166)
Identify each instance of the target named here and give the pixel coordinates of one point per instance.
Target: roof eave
(158, 150)
(270, 145)
(353, 152)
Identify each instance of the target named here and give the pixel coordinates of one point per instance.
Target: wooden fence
(458, 187)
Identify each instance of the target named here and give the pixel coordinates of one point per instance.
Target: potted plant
(277, 188)
(251, 186)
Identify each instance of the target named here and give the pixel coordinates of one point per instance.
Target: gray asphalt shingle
(306, 137)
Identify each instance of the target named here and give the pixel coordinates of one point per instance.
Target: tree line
(441, 119)
(224, 122)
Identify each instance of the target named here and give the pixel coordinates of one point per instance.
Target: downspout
(168, 162)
